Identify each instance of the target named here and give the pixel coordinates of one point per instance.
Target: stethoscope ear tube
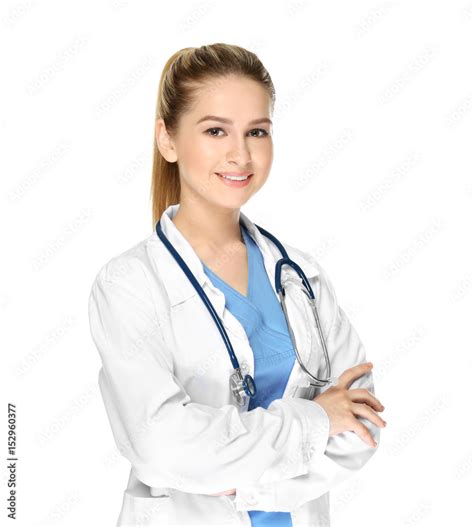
(278, 285)
(318, 382)
(309, 294)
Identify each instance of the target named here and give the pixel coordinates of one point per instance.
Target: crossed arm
(171, 440)
(345, 452)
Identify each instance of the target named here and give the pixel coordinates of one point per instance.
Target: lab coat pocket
(144, 510)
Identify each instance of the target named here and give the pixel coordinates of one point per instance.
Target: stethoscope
(243, 386)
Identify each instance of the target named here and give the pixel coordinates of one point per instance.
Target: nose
(239, 154)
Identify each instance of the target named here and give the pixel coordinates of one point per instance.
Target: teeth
(235, 178)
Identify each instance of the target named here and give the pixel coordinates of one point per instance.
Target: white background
(371, 176)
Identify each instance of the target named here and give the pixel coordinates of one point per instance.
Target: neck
(204, 225)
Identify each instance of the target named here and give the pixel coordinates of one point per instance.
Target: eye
(210, 131)
(265, 133)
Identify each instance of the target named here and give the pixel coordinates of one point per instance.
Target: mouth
(234, 176)
(234, 179)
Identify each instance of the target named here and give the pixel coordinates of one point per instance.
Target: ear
(164, 142)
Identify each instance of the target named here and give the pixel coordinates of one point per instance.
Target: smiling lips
(235, 176)
(235, 179)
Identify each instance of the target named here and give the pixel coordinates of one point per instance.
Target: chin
(229, 204)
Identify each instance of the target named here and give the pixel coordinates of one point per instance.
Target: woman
(198, 457)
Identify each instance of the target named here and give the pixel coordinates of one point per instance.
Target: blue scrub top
(262, 317)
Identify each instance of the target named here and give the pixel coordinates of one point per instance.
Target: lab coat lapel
(178, 286)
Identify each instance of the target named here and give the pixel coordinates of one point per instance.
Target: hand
(342, 405)
(224, 493)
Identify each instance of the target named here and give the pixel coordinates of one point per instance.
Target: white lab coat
(165, 385)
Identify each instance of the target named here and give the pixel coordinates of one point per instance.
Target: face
(237, 138)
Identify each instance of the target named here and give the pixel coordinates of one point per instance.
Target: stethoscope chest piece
(242, 385)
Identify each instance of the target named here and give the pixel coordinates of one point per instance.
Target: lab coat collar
(177, 285)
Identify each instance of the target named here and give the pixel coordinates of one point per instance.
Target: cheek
(263, 157)
(197, 158)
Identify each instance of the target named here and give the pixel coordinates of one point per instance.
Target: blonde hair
(178, 87)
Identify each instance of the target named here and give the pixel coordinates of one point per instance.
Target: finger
(361, 395)
(365, 411)
(363, 432)
(351, 374)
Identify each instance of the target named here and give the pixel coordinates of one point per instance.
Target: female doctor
(197, 457)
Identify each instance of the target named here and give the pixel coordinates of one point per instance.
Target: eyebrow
(228, 121)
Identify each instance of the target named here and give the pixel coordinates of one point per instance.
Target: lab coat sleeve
(346, 452)
(170, 440)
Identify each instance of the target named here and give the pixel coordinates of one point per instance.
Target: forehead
(233, 97)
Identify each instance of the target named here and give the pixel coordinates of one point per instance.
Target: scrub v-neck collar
(249, 249)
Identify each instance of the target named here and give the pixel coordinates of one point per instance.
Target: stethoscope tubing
(202, 294)
(246, 382)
